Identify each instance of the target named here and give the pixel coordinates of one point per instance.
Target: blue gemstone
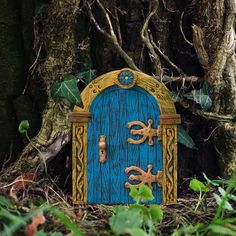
(126, 77)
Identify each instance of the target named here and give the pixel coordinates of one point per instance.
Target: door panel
(111, 111)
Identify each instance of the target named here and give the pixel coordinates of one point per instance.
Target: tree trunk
(60, 45)
(215, 20)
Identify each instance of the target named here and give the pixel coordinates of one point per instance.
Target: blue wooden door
(111, 111)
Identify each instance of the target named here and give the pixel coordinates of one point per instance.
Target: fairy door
(122, 145)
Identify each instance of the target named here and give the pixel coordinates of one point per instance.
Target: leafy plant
(221, 224)
(67, 89)
(201, 96)
(199, 187)
(23, 129)
(12, 219)
(137, 219)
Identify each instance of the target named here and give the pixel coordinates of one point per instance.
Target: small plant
(223, 222)
(13, 220)
(23, 129)
(137, 219)
(199, 187)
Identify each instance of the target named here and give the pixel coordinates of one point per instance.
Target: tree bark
(215, 20)
(60, 45)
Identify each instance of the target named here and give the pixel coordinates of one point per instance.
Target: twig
(146, 39)
(17, 181)
(32, 70)
(206, 139)
(167, 58)
(170, 79)
(206, 115)
(111, 37)
(181, 29)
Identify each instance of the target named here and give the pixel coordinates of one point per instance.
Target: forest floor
(94, 219)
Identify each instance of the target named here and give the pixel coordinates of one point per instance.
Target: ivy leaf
(201, 96)
(198, 186)
(23, 126)
(175, 97)
(156, 213)
(86, 76)
(67, 89)
(184, 138)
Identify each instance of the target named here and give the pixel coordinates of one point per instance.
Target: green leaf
(225, 221)
(126, 220)
(221, 230)
(56, 234)
(198, 186)
(67, 89)
(136, 232)
(23, 126)
(184, 138)
(175, 97)
(87, 76)
(193, 228)
(119, 208)
(5, 202)
(201, 96)
(156, 213)
(226, 206)
(134, 193)
(223, 192)
(145, 193)
(41, 233)
(206, 88)
(144, 210)
(212, 182)
(66, 221)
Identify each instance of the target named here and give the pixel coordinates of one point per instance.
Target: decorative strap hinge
(144, 177)
(145, 132)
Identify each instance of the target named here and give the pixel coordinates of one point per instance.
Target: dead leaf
(20, 183)
(32, 228)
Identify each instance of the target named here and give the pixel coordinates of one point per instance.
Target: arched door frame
(168, 123)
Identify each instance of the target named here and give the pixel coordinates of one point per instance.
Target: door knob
(102, 145)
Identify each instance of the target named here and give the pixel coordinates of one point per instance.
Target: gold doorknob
(102, 145)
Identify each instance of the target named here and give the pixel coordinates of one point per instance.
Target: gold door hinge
(145, 132)
(144, 177)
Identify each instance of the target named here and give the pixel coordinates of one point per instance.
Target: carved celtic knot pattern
(80, 170)
(170, 165)
(169, 139)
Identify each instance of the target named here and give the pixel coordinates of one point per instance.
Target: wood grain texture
(112, 110)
